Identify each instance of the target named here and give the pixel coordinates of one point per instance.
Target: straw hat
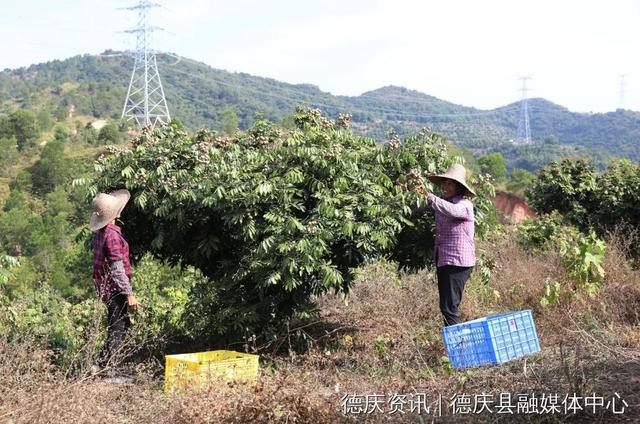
(456, 173)
(106, 207)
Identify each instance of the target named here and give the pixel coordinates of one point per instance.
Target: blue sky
(464, 51)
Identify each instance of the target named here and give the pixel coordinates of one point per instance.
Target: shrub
(582, 254)
(53, 169)
(163, 292)
(273, 217)
(540, 232)
(6, 264)
(587, 199)
(9, 156)
(46, 316)
(583, 257)
(494, 165)
(567, 187)
(23, 126)
(109, 134)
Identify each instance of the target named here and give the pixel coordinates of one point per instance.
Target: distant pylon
(145, 103)
(523, 135)
(622, 76)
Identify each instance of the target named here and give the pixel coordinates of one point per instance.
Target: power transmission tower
(622, 76)
(523, 135)
(145, 103)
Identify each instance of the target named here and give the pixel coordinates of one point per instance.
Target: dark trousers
(118, 323)
(451, 281)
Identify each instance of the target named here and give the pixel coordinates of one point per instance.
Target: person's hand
(422, 191)
(133, 302)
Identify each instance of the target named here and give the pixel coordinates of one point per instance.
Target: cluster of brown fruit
(394, 142)
(343, 119)
(424, 131)
(202, 158)
(116, 150)
(412, 181)
(261, 140)
(314, 112)
(327, 123)
(221, 141)
(171, 181)
(312, 227)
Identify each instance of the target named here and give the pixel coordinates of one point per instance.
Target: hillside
(197, 95)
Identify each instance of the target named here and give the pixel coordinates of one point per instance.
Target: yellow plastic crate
(192, 370)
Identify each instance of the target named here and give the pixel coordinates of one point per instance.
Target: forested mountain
(198, 94)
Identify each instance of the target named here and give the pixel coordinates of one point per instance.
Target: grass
(384, 339)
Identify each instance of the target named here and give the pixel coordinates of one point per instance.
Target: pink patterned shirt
(454, 231)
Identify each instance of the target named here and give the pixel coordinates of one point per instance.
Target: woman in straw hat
(111, 269)
(454, 246)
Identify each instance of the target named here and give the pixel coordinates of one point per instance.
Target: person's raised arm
(460, 210)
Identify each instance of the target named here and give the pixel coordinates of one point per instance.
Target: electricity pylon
(523, 135)
(145, 103)
(622, 77)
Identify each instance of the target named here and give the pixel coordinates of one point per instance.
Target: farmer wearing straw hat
(111, 269)
(454, 245)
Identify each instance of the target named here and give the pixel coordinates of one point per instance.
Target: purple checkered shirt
(454, 231)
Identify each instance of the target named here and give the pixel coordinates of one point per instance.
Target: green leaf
(264, 188)
(141, 200)
(266, 244)
(127, 172)
(331, 277)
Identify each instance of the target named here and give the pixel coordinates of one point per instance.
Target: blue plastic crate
(494, 339)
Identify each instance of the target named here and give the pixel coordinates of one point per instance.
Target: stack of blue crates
(494, 339)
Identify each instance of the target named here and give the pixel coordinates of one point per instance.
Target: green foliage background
(587, 198)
